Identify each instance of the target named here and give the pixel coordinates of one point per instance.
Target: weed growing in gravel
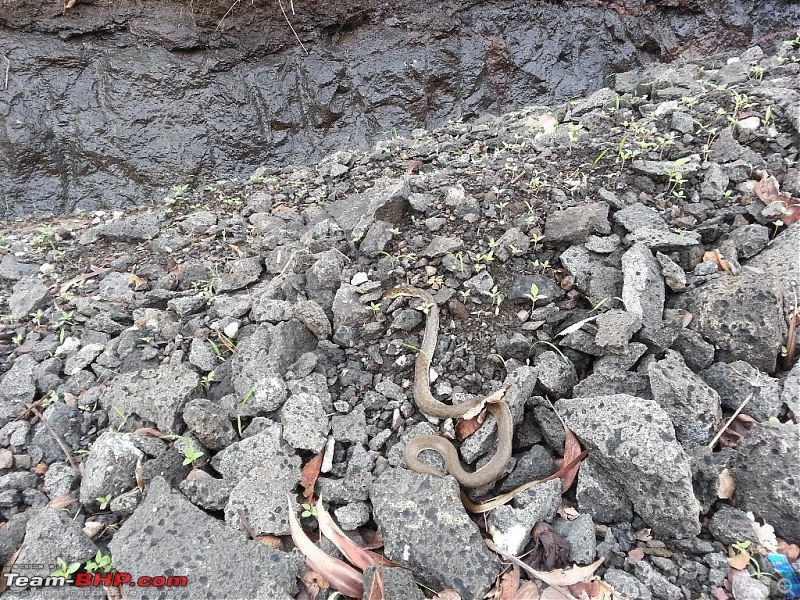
(243, 403)
(554, 347)
(100, 562)
(104, 501)
(206, 380)
(533, 295)
(65, 570)
(497, 299)
(309, 510)
(190, 454)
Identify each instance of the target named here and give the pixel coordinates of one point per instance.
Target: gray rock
(209, 422)
(310, 314)
(725, 149)
(592, 276)
(126, 503)
(187, 305)
(656, 582)
(60, 478)
(208, 493)
(259, 390)
(790, 395)
(556, 375)
(730, 525)
(674, 276)
(741, 316)
(261, 495)
(548, 289)
(396, 583)
(737, 381)
(14, 270)
(643, 284)
(637, 215)
(765, 470)
(202, 356)
(615, 328)
(117, 287)
(749, 240)
(697, 352)
(17, 387)
(620, 362)
(627, 585)
(324, 277)
(604, 98)
(305, 424)
(613, 381)
(635, 443)
(581, 537)
(659, 169)
(512, 243)
(28, 294)
(348, 312)
(82, 358)
(376, 238)
(155, 395)
(425, 527)
(351, 427)
(18, 480)
(353, 515)
(439, 246)
(386, 200)
(575, 224)
(682, 122)
(238, 459)
(600, 496)
(12, 534)
(270, 310)
(663, 240)
(110, 468)
(693, 406)
(532, 464)
(603, 245)
(181, 539)
(511, 526)
(135, 228)
(357, 481)
(239, 273)
(745, 586)
(714, 183)
(52, 534)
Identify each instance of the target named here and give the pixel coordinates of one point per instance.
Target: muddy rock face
(110, 105)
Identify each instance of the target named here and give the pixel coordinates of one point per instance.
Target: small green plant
(784, 351)
(206, 380)
(676, 179)
(37, 316)
(243, 403)
(536, 238)
(100, 562)
(191, 454)
(65, 570)
(375, 307)
(425, 307)
(497, 299)
(309, 510)
(464, 295)
(757, 72)
(554, 347)
(533, 294)
(744, 548)
(104, 501)
(51, 398)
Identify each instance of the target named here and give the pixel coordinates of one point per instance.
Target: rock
(271, 310)
(765, 470)
(82, 358)
(613, 381)
(693, 406)
(615, 329)
(600, 496)
(697, 352)
(352, 515)
(182, 540)
(13, 533)
(357, 481)
(663, 240)
(738, 381)
(396, 583)
(642, 284)
(110, 468)
(239, 273)
(714, 183)
(556, 375)
(440, 246)
(592, 276)
(51, 534)
(352, 427)
(635, 443)
(29, 294)
(532, 464)
(637, 215)
(238, 459)
(520, 288)
(574, 225)
(744, 586)
(376, 238)
(387, 200)
(656, 582)
(135, 228)
(791, 390)
(305, 424)
(627, 585)
(749, 240)
(14, 270)
(674, 276)
(117, 287)
(425, 527)
(603, 245)
(17, 387)
(741, 316)
(659, 169)
(207, 493)
(729, 525)
(580, 535)
(310, 314)
(209, 422)
(60, 478)
(510, 527)
(155, 395)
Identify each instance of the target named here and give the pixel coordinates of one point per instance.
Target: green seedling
(309, 510)
(554, 347)
(65, 570)
(375, 307)
(100, 562)
(497, 299)
(533, 295)
(190, 453)
(206, 380)
(51, 398)
(104, 501)
(243, 403)
(37, 316)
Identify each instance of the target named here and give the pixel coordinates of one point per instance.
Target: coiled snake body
(429, 405)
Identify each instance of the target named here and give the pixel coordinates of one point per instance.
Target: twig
(730, 420)
(285, 16)
(229, 11)
(57, 438)
(246, 523)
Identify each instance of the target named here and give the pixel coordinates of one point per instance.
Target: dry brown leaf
(508, 586)
(492, 398)
(354, 553)
(62, 501)
(40, 468)
(550, 550)
(448, 594)
(151, 431)
(314, 582)
(376, 589)
(727, 485)
(768, 191)
(92, 528)
(791, 340)
(572, 449)
(686, 319)
(567, 512)
(309, 474)
(272, 541)
(585, 588)
(554, 593)
(95, 272)
(740, 561)
(635, 555)
(466, 428)
(736, 430)
(716, 256)
(339, 574)
(137, 281)
(372, 539)
(790, 551)
(529, 591)
(719, 594)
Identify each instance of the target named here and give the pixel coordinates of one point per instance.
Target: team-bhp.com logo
(82, 580)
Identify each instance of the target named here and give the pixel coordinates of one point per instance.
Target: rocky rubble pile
(167, 373)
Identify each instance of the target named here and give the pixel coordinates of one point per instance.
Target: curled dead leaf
(727, 485)
(635, 555)
(739, 561)
(309, 474)
(466, 428)
(550, 550)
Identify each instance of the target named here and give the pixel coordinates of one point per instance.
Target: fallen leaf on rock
(493, 398)
(62, 501)
(567, 512)
(338, 573)
(40, 469)
(466, 428)
(528, 591)
(354, 553)
(635, 555)
(137, 281)
(448, 594)
(376, 589)
(272, 541)
(715, 256)
(719, 594)
(791, 340)
(790, 551)
(314, 582)
(736, 430)
(727, 485)
(95, 272)
(768, 191)
(740, 560)
(309, 474)
(508, 586)
(550, 550)
(372, 539)
(765, 534)
(151, 431)
(686, 319)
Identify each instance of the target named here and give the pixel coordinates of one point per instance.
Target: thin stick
(730, 420)
(229, 11)
(57, 438)
(8, 68)
(246, 523)
(285, 16)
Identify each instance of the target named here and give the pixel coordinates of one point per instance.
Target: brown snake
(429, 405)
